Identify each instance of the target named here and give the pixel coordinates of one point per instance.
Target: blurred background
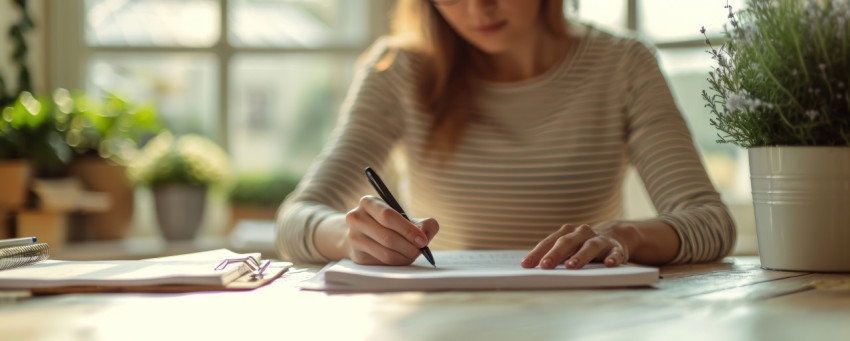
(262, 79)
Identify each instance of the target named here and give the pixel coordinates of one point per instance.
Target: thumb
(429, 226)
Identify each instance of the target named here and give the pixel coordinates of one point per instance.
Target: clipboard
(249, 275)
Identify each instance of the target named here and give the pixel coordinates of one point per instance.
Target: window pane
(298, 23)
(667, 20)
(183, 86)
(609, 15)
(193, 23)
(283, 107)
(687, 70)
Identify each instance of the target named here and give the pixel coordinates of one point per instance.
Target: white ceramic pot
(179, 210)
(801, 197)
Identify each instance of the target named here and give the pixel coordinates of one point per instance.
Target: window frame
(66, 32)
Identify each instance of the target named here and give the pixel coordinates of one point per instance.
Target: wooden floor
(732, 300)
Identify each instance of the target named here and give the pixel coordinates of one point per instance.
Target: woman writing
(514, 128)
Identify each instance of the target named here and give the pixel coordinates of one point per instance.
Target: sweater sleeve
(661, 148)
(367, 129)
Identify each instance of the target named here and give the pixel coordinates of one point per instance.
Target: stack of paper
(467, 270)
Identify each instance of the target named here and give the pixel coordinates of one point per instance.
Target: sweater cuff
(705, 233)
(296, 230)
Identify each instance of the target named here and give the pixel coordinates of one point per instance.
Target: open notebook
(473, 270)
(190, 272)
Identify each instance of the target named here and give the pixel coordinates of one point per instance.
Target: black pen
(385, 194)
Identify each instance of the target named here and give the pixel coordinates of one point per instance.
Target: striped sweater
(537, 154)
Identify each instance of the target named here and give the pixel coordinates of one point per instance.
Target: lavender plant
(783, 74)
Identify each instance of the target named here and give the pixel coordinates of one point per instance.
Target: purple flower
(702, 30)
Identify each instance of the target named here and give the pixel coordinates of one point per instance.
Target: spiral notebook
(15, 256)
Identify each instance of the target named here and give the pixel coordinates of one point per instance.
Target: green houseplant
(104, 135)
(257, 195)
(180, 171)
(31, 142)
(20, 53)
(14, 170)
(780, 89)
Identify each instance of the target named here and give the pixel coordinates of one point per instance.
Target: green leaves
(111, 128)
(780, 78)
(191, 160)
(48, 131)
(28, 131)
(262, 189)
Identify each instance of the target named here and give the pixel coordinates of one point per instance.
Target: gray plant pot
(179, 210)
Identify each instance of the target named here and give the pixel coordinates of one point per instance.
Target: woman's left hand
(576, 245)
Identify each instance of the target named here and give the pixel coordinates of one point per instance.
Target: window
(252, 74)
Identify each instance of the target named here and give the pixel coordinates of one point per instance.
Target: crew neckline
(579, 35)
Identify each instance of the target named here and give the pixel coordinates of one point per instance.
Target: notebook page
(482, 269)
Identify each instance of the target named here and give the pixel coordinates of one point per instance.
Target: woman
(514, 129)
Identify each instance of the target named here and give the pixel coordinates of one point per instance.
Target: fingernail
(419, 242)
(572, 263)
(546, 263)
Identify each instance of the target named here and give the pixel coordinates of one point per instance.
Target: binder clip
(257, 268)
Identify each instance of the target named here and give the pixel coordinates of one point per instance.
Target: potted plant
(104, 136)
(180, 171)
(32, 143)
(780, 89)
(258, 195)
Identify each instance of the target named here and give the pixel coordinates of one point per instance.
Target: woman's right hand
(378, 235)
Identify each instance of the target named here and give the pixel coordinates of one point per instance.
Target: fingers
(370, 252)
(365, 234)
(378, 234)
(616, 256)
(362, 257)
(389, 239)
(588, 252)
(566, 246)
(536, 255)
(575, 247)
(389, 218)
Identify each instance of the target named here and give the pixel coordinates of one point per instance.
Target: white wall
(36, 41)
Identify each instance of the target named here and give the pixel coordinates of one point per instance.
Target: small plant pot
(100, 175)
(801, 197)
(179, 210)
(14, 181)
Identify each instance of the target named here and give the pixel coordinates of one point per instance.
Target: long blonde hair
(443, 84)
